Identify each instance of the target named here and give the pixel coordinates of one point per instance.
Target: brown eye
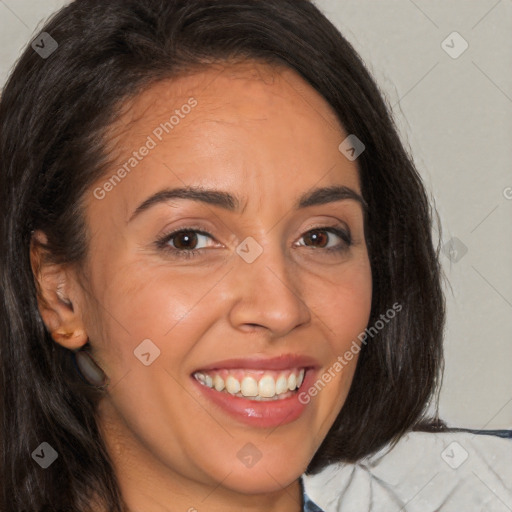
(185, 239)
(317, 236)
(184, 242)
(320, 238)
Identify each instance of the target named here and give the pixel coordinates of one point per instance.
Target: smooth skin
(264, 135)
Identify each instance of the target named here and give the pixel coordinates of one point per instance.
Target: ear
(56, 296)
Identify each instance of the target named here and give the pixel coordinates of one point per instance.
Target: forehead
(251, 125)
(247, 88)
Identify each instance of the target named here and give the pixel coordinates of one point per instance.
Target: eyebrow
(222, 199)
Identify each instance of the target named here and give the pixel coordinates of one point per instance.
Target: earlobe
(60, 315)
(70, 339)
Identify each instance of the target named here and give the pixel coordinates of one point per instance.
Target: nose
(267, 294)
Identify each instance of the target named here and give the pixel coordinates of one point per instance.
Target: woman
(218, 274)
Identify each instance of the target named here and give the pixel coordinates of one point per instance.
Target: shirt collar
(308, 504)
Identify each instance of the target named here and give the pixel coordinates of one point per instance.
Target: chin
(262, 480)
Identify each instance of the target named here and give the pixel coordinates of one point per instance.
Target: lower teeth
(261, 398)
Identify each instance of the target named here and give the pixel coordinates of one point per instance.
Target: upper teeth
(252, 383)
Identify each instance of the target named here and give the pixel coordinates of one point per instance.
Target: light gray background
(455, 115)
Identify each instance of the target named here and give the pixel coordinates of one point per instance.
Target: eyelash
(162, 242)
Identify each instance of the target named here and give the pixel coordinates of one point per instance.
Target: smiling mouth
(253, 384)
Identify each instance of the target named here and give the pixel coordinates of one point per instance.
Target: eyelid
(343, 233)
(164, 238)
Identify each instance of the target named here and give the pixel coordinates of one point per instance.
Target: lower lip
(267, 414)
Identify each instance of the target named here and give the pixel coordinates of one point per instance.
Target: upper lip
(282, 362)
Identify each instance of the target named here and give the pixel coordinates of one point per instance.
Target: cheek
(344, 303)
(350, 313)
(344, 306)
(141, 302)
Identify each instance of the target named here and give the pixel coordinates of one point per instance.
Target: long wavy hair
(54, 114)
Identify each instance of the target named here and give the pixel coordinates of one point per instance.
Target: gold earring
(62, 335)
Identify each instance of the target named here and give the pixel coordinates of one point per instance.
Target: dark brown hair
(54, 113)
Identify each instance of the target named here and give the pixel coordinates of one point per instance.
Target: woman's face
(254, 300)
